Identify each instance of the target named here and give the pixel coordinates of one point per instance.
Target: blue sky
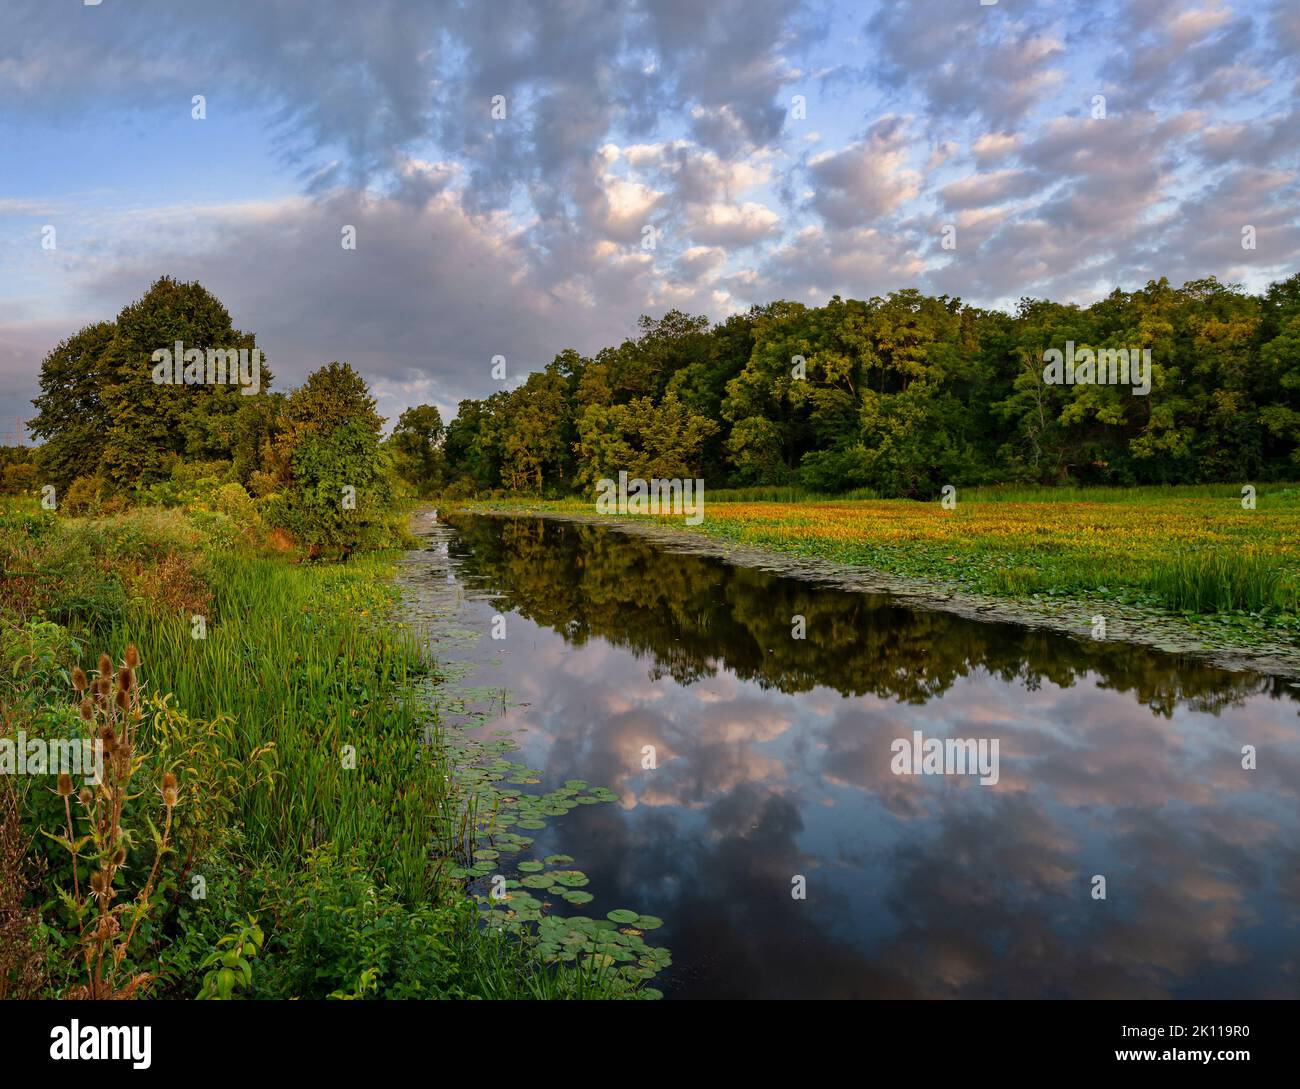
(522, 236)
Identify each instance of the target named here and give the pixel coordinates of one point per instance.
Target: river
(752, 766)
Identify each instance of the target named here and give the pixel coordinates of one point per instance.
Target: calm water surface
(774, 761)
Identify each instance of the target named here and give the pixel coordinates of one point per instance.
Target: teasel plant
(96, 835)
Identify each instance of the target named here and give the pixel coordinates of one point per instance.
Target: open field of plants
(1190, 551)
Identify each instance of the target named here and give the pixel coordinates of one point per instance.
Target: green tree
(416, 447)
(642, 439)
(71, 417)
(152, 425)
(338, 496)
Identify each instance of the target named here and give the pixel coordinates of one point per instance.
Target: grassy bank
(272, 824)
(1189, 552)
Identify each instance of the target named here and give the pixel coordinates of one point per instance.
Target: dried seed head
(85, 796)
(120, 856)
(103, 685)
(169, 792)
(65, 785)
(79, 681)
(87, 711)
(105, 666)
(132, 656)
(120, 700)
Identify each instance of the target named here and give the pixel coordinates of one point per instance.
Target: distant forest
(898, 395)
(904, 394)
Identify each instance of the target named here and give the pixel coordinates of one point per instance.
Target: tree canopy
(113, 431)
(904, 394)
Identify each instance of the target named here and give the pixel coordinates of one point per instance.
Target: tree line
(897, 395)
(904, 394)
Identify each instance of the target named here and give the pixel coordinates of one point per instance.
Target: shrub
(232, 500)
(335, 924)
(17, 479)
(82, 496)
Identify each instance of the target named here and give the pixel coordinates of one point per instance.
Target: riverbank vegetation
(275, 820)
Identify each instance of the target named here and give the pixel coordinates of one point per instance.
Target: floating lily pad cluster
(495, 791)
(616, 942)
(501, 812)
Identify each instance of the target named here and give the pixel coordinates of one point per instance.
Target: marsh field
(539, 753)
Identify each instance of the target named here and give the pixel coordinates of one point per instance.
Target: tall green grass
(289, 658)
(1223, 581)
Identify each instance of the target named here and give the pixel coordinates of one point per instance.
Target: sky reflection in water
(774, 760)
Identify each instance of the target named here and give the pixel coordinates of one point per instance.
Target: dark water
(774, 760)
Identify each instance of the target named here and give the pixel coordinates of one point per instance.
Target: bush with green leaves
(333, 922)
(341, 499)
(229, 967)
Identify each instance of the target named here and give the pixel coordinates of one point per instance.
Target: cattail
(132, 656)
(79, 681)
(105, 666)
(65, 785)
(169, 790)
